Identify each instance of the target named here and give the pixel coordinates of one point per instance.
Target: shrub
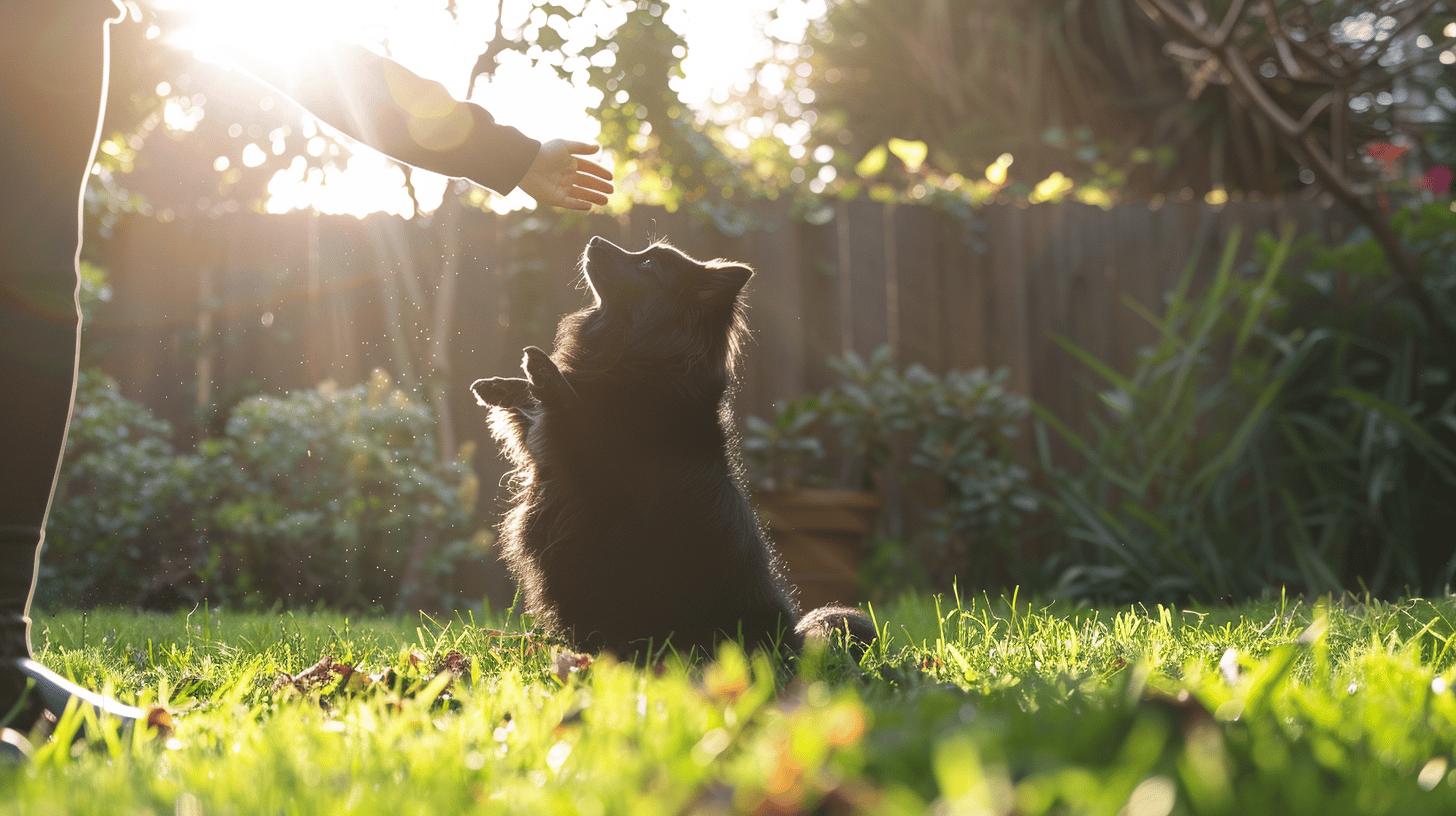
(326, 494)
(955, 430)
(1374, 411)
(1287, 429)
(120, 527)
(937, 447)
(321, 496)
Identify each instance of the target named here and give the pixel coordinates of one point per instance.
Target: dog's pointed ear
(722, 284)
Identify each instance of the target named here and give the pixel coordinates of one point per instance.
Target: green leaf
(873, 162)
(1100, 368)
(1401, 418)
(1266, 288)
(912, 153)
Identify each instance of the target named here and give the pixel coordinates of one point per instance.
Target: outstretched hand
(560, 178)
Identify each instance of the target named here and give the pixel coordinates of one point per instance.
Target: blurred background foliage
(329, 496)
(1096, 90)
(1037, 100)
(1081, 88)
(1293, 424)
(940, 449)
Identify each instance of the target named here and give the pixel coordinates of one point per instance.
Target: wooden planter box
(821, 535)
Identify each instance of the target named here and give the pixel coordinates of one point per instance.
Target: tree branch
(1230, 22)
(1297, 134)
(1320, 106)
(1163, 9)
(1291, 50)
(1422, 8)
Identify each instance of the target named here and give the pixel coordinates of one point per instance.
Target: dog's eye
(648, 265)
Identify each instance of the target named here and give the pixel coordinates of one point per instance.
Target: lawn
(980, 706)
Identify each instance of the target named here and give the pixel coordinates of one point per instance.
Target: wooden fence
(206, 312)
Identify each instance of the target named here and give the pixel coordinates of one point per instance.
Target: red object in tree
(1385, 153)
(1437, 180)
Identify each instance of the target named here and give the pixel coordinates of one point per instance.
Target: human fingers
(588, 166)
(562, 196)
(591, 183)
(590, 196)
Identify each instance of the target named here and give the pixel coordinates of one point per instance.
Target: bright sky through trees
(726, 41)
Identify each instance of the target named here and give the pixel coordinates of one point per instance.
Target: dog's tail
(844, 623)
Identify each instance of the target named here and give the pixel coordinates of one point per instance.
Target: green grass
(972, 707)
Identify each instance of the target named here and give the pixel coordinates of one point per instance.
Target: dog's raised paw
(502, 392)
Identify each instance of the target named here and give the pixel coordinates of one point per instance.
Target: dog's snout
(597, 244)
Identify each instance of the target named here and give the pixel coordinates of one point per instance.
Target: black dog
(630, 529)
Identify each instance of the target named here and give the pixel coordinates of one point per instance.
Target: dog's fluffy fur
(629, 528)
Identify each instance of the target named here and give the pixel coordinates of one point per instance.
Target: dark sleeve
(403, 115)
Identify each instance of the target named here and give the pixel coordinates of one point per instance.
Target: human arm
(416, 120)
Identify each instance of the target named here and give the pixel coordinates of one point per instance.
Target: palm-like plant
(978, 78)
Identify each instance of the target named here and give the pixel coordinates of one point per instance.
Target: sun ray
(282, 35)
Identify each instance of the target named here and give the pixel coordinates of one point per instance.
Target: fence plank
(1008, 318)
(818, 276)
(774, 360)
(966, 295)
(869, 326)
(868, 276)
(918, 264)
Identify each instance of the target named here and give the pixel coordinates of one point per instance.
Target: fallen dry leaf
(160, 719)
(566, 663)
(315, 675)
(320, 674)
(353, 680)
(455, 663)
(724, 685)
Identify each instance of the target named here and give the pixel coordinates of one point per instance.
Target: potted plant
(820, 530)
(963, 451)
(923, 464)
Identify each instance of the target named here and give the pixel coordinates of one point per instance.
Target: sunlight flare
(724, 43)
